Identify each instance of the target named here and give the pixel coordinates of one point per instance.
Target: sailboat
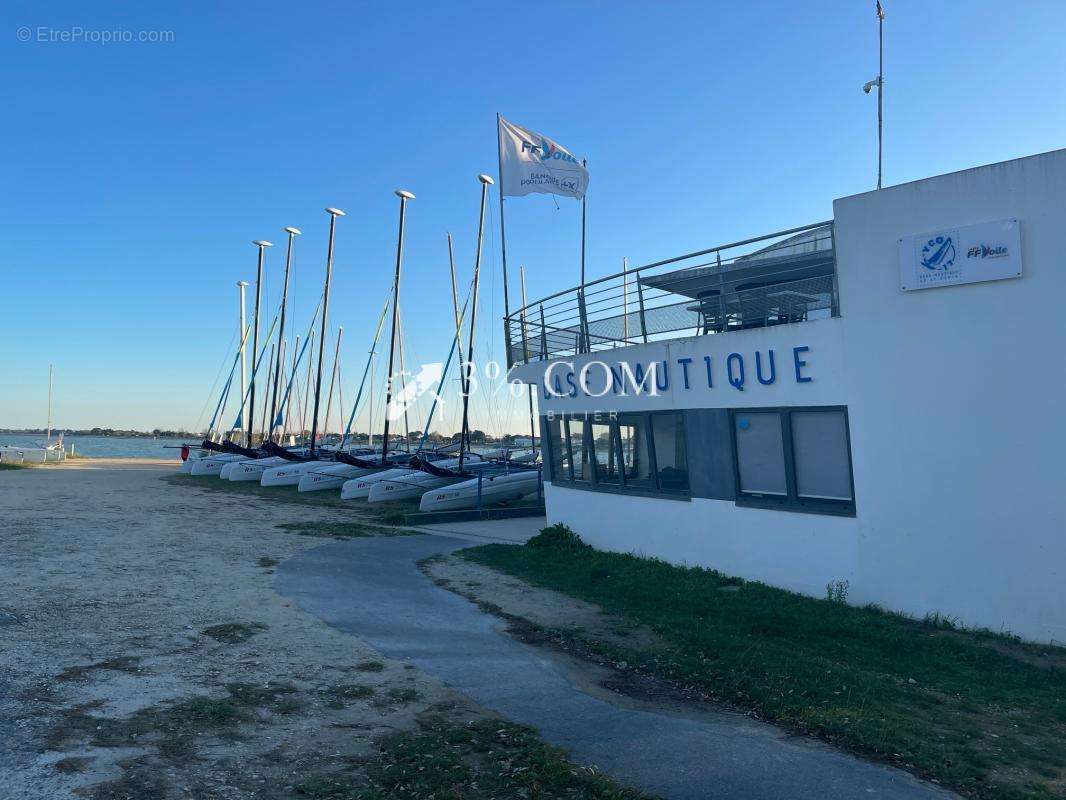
(45, 452)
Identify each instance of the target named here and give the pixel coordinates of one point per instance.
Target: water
(105, 446)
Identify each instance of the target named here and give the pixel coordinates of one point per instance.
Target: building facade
(902, 431)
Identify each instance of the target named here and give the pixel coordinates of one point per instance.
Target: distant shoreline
(109, 433)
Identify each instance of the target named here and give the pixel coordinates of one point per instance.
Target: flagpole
(880, 83)
(503, 247)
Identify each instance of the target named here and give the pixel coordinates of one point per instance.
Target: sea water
(105, 446)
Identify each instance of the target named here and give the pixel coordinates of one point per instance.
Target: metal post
(404, 196)
(241, 286)
(525, 349)
(625, 300)
(293, 233)
(333, 214)
(721, 295)
(543, 335)
(261, 244)
(640, 301)
(503, 243)
(584, 345)
(480, 477)
(486, 182)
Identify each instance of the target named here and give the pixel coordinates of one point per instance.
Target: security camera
(866, 87)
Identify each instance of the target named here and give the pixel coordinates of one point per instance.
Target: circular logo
(938, 253)
(23, 34)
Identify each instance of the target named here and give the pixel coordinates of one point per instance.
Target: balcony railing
(777, 279)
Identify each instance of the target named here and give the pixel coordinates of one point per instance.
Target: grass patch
(8, 465)
(983, 713)
(342, 695)
(233, 632)
(343, 530)
(370, 666)
(129, 664)
(266, 562)
(484, 760)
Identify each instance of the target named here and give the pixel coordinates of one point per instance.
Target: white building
(878, 400)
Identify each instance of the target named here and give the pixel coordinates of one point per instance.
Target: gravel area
(145, 653)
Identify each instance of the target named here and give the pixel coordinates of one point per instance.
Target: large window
(794, 458)
(641, 453)
(671, 460)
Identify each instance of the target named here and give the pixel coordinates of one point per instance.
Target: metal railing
(780, 278)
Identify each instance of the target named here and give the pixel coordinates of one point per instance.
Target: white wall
(957, 401)
(956, 407)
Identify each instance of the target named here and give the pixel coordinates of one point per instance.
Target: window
(560, 456)
(636, 459)
(605, 450)
(575, 436)
(794, 458)
(642, 453)
(760, 453)
(820, 445)
(671, 460)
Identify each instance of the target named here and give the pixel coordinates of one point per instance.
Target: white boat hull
(500, 488)
(331, 477)
(289, 473)
(213, 465)
(252, 469)
(410, 486)
(359, 488)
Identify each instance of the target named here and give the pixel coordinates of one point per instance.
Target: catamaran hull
(359, 488)
(253, 469)
(212, 466)
(332, 477)
(407, 487)
(496, 489)
(289, 473)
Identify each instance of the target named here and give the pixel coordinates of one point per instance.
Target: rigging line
(366, 369)
(214, 383)
(293, 378)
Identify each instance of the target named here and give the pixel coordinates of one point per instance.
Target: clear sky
(135, 174)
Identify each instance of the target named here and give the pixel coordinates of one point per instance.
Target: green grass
(484, 760)
(983, 713)
(7, 465)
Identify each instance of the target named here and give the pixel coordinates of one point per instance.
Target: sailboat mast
(404, 197)
(464, 441)
(333, 214)
(458, 318)
(48, 435)
(261, 245)
(293, 233)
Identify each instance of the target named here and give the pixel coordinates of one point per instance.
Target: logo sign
(991, 251)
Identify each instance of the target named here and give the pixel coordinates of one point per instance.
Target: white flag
(532, 163)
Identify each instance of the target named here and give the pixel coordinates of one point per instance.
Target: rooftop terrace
(777, 279)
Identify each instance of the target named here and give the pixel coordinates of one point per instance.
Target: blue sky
(136, 174)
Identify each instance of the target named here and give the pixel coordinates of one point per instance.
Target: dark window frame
(622, 487)
(792, 500)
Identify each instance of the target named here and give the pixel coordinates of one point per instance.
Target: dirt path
(144, 652)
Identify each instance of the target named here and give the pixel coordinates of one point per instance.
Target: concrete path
(373, 588)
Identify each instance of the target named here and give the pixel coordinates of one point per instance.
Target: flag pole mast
(503, 247)
(880, 82)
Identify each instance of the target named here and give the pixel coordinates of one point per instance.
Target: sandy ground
(109, 578)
